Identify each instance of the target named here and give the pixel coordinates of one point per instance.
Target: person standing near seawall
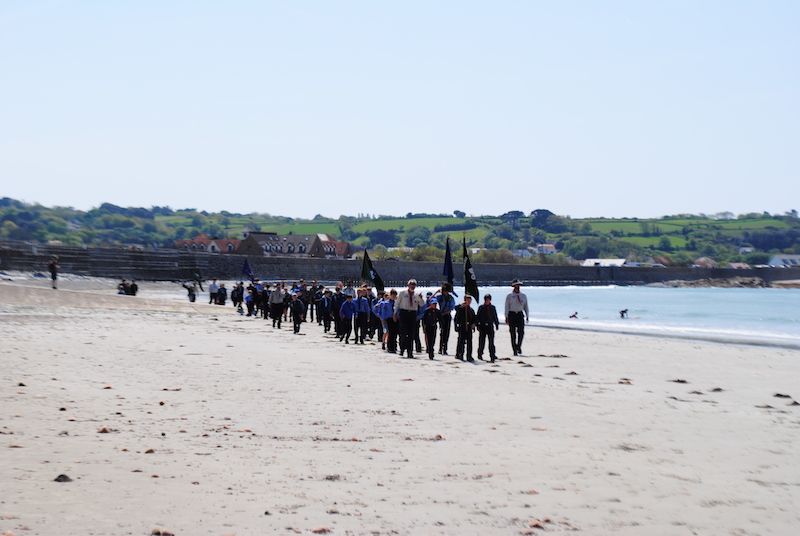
(53, 267)
(213, 288)
(516, 305)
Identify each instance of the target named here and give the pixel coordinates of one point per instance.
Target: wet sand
(195, 420)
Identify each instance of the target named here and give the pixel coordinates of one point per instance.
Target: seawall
(171, 265)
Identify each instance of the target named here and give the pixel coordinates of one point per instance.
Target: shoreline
(721, 339)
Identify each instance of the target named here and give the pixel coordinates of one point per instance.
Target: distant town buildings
(310, 245)
(546, 249)
(204, 243)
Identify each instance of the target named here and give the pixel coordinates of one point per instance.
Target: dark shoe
(470, 360)
(480, 357)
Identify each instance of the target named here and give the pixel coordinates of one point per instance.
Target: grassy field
(402, 224)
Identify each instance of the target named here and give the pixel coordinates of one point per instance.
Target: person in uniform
(430, 324)
(487, 322)
(516, 315)
(464, 324)
(447, 304)
(298, 309)
(405, 314)
(346, 313)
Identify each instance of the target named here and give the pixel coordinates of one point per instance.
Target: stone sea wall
(171, 265)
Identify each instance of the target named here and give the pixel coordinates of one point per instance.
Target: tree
(540, 216)
(379, 252)
(664, 244)
(459, 214)
(417, 236)
(388, 238)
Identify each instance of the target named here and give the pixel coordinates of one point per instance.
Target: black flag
(247, 271)
(448, 263)
(470, 281)
(368, 272)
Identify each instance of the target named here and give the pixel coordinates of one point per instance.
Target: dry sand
(193, 419)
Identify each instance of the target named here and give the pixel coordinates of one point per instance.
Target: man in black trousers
(487, 323)
(405, 313)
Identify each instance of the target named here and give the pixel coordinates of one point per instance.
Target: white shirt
(516, 302)
(408, 301)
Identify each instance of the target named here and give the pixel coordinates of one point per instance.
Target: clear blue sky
(617, 108)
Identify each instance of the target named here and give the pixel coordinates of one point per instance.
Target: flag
(369, 274)
(448, 263)
(247, 271)
(470, 281)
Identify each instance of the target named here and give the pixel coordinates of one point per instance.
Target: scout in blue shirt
(346, 313)
(447, 305)
(362, 315)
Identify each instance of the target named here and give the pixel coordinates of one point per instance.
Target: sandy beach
(191, 419)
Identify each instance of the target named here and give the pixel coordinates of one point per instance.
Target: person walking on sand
(276, 305)
(391, 324)
(464, 324)
(362, 315)
(324, 307)
(346, 313)
(405, 313)
(516, 315)
(430, 324)
(53, 268)
(336, 305)
(447, 304)
(487, 323)
(191, 291)
(298, 312)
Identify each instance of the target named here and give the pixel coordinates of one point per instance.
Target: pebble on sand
(62, 478)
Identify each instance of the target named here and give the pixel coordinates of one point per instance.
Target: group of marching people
(401, 321)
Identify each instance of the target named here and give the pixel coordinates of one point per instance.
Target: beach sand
(195, 420)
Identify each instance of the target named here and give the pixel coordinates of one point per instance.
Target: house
(746, 249)
(603, 263)
(522, 253)
(335, 248)
(545, 249)
(273, 244)
(739, 265)
(785, 261)
(204, 243)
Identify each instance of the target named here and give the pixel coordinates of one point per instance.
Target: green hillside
(671, 239)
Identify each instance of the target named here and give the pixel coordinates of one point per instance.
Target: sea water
(744, 315)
